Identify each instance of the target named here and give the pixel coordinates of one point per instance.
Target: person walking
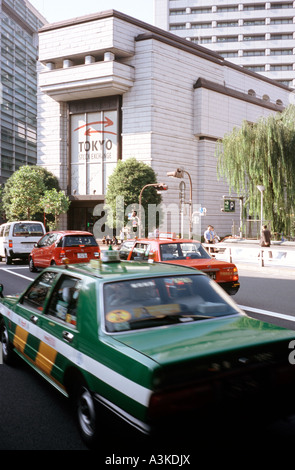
(265, 236)
(209, 235)
(265, 239)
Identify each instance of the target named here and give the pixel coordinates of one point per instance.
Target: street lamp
(159, 187)
(179, 174)
(261, 189)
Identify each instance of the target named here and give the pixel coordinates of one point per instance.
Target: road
(33, 416)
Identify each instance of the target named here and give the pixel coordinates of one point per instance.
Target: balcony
(102, 78)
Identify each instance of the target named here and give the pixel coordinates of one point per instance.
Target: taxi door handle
(34, 319)
(68, 336)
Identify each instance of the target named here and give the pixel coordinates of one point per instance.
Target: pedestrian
(122, 236)
(265, 236)
(209, 235)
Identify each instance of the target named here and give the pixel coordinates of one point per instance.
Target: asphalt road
(34, 416)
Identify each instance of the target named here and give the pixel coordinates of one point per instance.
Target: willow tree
(263, 153)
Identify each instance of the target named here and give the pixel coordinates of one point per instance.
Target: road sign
(229, 205)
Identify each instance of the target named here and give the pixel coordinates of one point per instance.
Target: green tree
(23, 190)
(127, 181)
(263, 154)
(21, 194)
(56, 203)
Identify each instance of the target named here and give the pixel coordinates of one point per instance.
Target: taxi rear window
(182, 251)
(151, 302)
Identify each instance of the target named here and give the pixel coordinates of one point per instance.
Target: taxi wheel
(86, 416)
(7, 349)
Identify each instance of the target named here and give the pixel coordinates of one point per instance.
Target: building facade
(20, 23)
(259, 36)
(112, 87)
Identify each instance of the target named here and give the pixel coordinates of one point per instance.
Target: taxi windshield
(182, 251)
(152, 302)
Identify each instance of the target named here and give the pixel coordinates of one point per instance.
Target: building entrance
(80, 216)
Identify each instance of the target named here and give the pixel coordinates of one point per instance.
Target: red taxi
(183, 252)
(76, 246)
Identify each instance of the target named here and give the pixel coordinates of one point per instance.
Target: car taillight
(236, 274)
(62, 254)
(10, 243)
(178, 401)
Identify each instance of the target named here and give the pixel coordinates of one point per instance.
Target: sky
(59, 10)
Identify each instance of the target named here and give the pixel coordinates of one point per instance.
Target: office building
(259, 36)
(20, 22)
(112, 87)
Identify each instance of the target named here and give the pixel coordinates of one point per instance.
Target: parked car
(18, 238)
(54, 247)
(183, 252)
(149, 344)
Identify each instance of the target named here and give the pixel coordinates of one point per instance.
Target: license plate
(212, 275)
(82, 255)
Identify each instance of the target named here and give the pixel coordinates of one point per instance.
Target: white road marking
(16, 274)
(282, 316)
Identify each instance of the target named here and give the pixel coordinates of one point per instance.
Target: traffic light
(161, 187)
(177, 173)
(229, 205)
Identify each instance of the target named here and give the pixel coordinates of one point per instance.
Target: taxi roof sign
(110, 255)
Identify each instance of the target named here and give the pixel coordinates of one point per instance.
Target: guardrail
(262, 256)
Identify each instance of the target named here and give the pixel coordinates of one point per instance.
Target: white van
(17, 239)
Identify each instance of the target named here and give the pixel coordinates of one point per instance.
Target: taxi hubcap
(86, 412)
(4, 340)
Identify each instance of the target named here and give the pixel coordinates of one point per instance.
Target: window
(258, 37)
(47, 240)
(64, 300)
(281, 52)
(279, 36)
(140, 251)
(195, 11)
(159, 301)
(201, 25)
(204, 40)
(253, 22)
(277, 6)
(177, 26)
(227, 38)
(229, 54)
(255, 68)
(227, 24)
(281, 67)
(36, 295)
(176, 251)
(178, 12)
(227, 8)
(253, 6)
(281, 21)
(78, 240)
(27, 230)
(256, 52)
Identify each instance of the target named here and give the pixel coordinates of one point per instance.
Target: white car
(18, 238)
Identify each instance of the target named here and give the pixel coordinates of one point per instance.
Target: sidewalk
(250, 252)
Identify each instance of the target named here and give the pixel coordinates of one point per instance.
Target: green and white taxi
(148, 342)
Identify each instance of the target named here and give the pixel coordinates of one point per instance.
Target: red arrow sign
(108, 122)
